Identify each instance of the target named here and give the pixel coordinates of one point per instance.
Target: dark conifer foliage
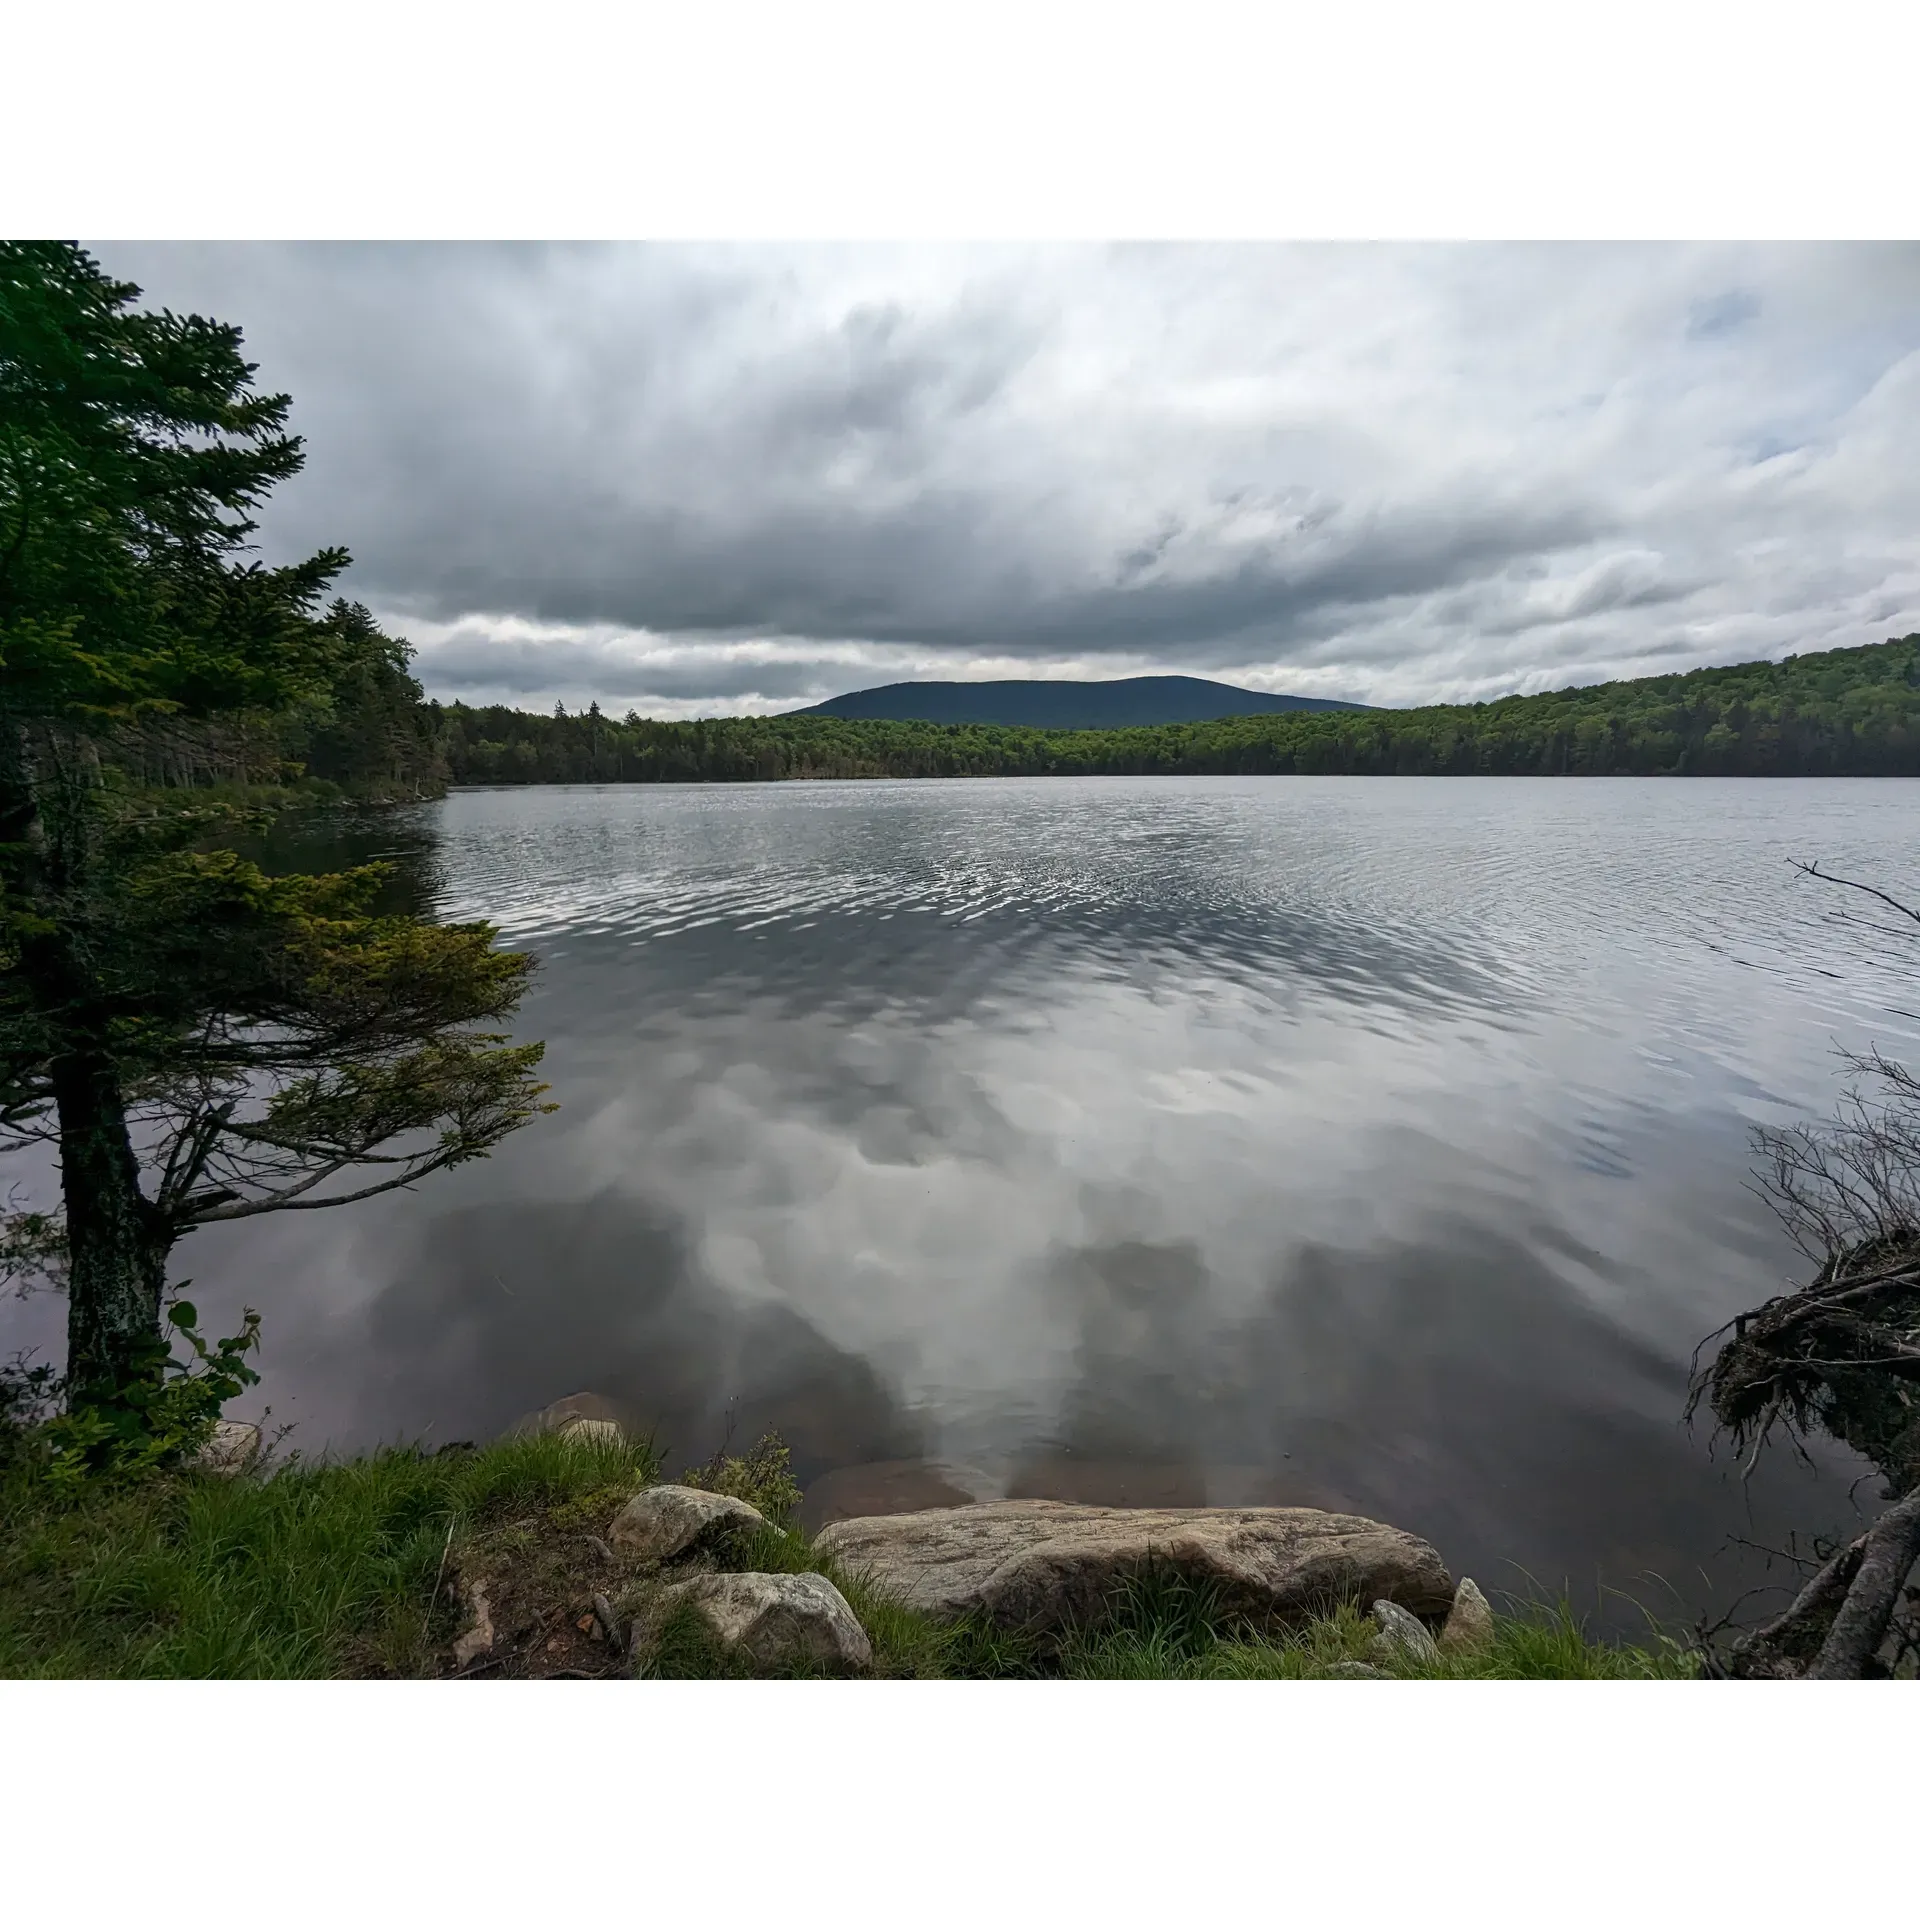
(198, 1041)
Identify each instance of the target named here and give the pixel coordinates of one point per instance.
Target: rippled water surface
(1375, 1143)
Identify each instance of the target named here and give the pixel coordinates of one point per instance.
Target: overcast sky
(740, 479)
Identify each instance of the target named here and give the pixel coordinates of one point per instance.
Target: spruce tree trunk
(117, 1245)
(117, 1240)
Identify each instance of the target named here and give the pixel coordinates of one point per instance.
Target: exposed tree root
(1842, 1355)
(1841, 1621)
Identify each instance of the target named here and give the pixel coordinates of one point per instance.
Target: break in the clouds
(736, 479)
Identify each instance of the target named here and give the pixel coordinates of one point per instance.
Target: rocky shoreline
(671, 1559)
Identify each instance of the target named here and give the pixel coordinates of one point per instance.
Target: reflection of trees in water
(327, 840)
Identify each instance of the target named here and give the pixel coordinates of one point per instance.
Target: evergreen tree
(199, 1041)
(371, 736)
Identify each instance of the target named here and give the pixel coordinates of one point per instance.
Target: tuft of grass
(1550, 1647)
(320, 1568)
(1167, 1629)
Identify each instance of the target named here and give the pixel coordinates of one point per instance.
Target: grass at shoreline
(336, 1569)
(318, 1570)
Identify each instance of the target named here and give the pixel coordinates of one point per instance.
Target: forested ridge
(1854, 710)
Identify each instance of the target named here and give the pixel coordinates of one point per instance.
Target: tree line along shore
(1854, 710)
(371, 734)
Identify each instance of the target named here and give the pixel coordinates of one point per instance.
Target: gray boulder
(231, 1448)
(664, 1522)
(591, 1410)
(776, 1622)
(1401, 1635)
(1469, 1628)
(1048, 1564)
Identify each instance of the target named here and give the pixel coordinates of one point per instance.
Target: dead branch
(1884, 1556)
(1811, 868)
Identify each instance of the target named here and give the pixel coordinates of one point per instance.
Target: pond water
(1371, 1143)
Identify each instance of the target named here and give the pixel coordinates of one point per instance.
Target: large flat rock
(1050, 1564)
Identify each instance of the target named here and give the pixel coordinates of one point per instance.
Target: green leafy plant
(761, 1476)
(166, 1411)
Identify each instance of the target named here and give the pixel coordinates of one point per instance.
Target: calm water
(1375, 1143)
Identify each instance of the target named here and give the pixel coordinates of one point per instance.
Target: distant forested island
(1855, 710)
(1145, 700)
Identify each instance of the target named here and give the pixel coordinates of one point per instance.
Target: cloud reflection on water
(1383, 1139)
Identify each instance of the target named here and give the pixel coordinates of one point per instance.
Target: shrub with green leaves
(762, 1477)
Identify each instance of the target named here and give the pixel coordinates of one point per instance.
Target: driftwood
(1840, 1622)
(1841, 1356)
(1886, 1553)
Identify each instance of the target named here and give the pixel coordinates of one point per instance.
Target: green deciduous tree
(198, 1040)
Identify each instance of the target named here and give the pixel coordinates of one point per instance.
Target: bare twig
(482, 1666)
(1811, 868)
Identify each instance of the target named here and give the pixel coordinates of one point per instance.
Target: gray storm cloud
(714, 479)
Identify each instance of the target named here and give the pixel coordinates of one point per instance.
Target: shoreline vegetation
(1854, 710)
(348, 1569)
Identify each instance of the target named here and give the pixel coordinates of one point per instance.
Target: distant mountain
(1151, 700)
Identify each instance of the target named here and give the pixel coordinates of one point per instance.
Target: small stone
(778, 1622)
(1469, 1628)
(664, 1522)
(1401, 1634)
(229, 1450)
(477, 1642)
(574, 1410)
(1352, 1670)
